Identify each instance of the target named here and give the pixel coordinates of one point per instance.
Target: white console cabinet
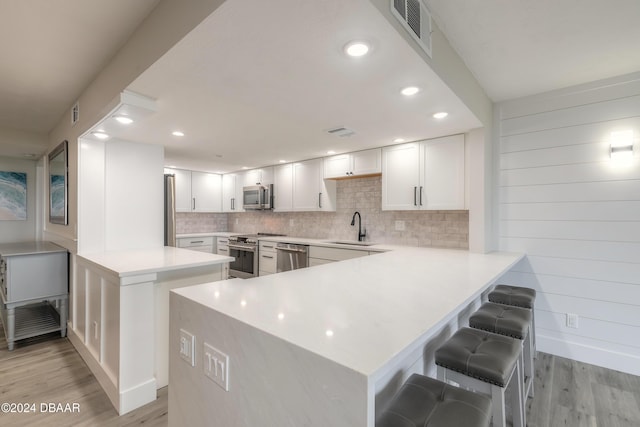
(32, 275)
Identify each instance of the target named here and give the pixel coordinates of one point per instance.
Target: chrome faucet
(361, 235)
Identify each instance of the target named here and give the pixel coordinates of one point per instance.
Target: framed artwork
(13, 196)
(58, 184)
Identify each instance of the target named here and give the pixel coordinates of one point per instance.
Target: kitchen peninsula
(120, 315)
(322, 346)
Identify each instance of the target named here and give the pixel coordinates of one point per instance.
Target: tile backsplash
(421, 228)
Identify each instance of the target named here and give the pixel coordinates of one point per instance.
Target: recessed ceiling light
(29, 155)
(282, 161)
(244, 167)
(177, 133)
(100, 135)
(356, 48)
(124, 120)
(398, 140)
(331, 152)
(410, 90)
(440, 115)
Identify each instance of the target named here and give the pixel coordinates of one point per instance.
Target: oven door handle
(242, 248)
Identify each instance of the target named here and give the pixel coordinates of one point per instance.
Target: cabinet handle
(420, 195)
(194, 203)
(267, 256)
(320, 200)
(267, 246)
(223, 250)
(415, 197)
(233, 204)
(197, 241)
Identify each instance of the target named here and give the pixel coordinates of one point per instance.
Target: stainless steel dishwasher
(292, 257)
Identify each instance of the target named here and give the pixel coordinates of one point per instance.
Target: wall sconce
(621, 144)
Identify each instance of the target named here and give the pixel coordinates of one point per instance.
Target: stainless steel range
(245, 251)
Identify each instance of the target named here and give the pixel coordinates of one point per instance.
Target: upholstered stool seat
(519, 297)
(513, 322)
(513, 295)
(484, 362)
(426, 402)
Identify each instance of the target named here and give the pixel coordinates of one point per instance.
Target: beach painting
(13, 196)
(58, 197)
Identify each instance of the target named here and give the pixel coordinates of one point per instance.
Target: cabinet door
(229, 201)
(444, 173)
(184, 202)
(366, 162)
(337, 166)
(400, 177)
(252, 177)
(206, 191)
(306, 185)
(283, 188)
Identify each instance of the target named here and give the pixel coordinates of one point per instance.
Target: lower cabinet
(222, 248)
(319, 255)
(201, 244)
(267, 258)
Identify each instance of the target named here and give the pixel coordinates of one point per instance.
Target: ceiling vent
(341, 131)
(416, 19)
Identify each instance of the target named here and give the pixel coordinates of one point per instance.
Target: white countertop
(156, 260)
(28, 248)
(375, 306)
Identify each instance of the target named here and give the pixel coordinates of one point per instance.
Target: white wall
(20, 231)
(576, 213)
(121, 191)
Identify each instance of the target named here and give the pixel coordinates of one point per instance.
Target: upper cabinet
(197, 191)
(359, 163)
(283, 188)
(262, 176)
(309, 191)
(428, 175)
(232, 184)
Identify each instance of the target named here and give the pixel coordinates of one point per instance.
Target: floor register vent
(416, 19)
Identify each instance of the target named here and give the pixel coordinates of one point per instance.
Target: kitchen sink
(352, 243)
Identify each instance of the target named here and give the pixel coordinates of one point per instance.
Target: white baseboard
(606, 358)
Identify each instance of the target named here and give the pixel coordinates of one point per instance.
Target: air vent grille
(75, 113)
(416, 19)
(341, 131)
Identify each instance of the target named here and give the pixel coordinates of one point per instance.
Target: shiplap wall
(576, 213)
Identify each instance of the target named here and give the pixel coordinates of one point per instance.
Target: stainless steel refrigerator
(169, 210)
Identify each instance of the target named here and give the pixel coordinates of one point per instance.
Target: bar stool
(485, 362)
(426, 402)
(514, 322)
(519, 297)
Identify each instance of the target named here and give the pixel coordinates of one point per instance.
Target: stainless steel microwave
(257, 197)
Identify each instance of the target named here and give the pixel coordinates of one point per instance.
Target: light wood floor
(48, 369)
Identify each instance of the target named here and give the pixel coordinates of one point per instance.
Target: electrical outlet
(187, 347)
(291, 222)
(572, 320)
(216, 366)
(399, 225)
(237, 221)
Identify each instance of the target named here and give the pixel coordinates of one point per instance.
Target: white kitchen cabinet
(183, 189)
(428, 175)
(197, 191)
(262, 176)
(222, 248)
(359, 163)
(206, 192)
(319, 255)
(232, 184)
(310, 191)
(200, 244)
(283, 188)
(267, 261)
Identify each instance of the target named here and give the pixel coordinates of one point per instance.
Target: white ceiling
(262, 81)
(517, 48)
(250, 87)
(52, 50)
